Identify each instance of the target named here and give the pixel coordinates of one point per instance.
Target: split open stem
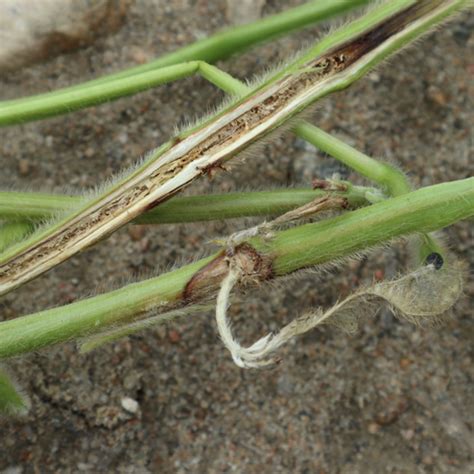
(425, 210)
(40, 206)
(331, 65)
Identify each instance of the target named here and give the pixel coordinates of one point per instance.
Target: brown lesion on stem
(321, 204)
(255, 267)
(114, 211)
(329, 185)
(211, 170)
(346, 54)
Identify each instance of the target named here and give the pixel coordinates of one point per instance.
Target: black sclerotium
(434, 259)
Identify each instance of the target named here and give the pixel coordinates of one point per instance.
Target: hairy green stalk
(113, 335)
(40, 206)
(11, 400)
(417, 212)
(13, 231)
(392, 180)
(332, 65)
(425, 210)
(159, 71)
(52, 104)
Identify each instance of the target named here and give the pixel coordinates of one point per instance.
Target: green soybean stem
(392, 180)
(38, 206)
(331, 65)
(159, 71)
(12, 402)
(425, 210)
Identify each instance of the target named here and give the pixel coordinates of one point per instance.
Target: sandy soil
(392, 399)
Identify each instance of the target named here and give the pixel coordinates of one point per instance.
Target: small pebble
(136, 232)
(89, 153)
(405, 363)
(129, 404)
(174, 336)
(244, 11)
(123, 138)
(12, 470)
(428, 460)
(437, 96)
(373, 428)
(379, 274)
(82, 466)
(23, 167)
(139, 56)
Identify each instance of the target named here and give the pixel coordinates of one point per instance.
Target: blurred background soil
(392, 399)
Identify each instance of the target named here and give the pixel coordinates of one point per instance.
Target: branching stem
(332, 65)
(39, 206)
(159, 71)
(392, 180)
(425, 210)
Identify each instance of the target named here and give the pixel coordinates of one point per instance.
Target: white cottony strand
(422, 295)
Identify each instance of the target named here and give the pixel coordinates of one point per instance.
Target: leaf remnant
(421, 296)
